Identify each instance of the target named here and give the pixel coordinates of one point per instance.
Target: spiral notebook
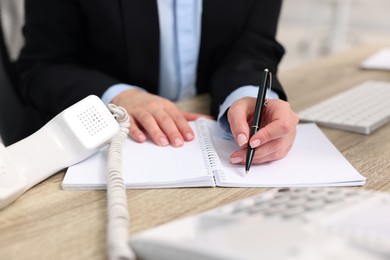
(204, 162)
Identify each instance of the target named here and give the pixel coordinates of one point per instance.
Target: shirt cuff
(246, 91)
(115, 90)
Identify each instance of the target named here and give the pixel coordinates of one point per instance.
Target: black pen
(260, 103)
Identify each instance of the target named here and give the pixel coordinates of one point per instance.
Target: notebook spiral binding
(209, 153)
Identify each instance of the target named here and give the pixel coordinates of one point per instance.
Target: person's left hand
(275, 137)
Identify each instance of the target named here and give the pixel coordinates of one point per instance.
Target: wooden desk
(49, 223)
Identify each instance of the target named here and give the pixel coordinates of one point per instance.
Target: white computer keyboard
(284, 223)
(361, 109)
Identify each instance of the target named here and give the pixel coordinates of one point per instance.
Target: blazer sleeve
(54, 67)
(254, 49)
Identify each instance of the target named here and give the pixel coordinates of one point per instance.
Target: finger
(270, 154)
(281, 121)
(135, 133)
(240, 157)
(272, 131)
(269, 158)
(183, 126)
(273, 150)
(264, 151)
(188, 132)
(170, 128)
(238, 117)
(148, 122)
(193, 116)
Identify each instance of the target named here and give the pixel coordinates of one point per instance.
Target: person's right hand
(160, 118)
(275, 137)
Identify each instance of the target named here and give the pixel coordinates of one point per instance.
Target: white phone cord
(118, 214)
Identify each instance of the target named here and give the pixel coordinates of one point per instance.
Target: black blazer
(75, 48)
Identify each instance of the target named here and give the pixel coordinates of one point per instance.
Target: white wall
(307, 27)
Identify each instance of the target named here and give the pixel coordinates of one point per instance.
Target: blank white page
(312, 161)
(145, 165)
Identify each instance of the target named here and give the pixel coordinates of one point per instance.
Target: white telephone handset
(70, 137)
(73, 135)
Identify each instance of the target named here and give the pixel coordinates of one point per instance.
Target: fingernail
(242, 140)
(189, 136)
(255, 143)
(236, 160)
(164, 141)
(141, 138)
(178, 142)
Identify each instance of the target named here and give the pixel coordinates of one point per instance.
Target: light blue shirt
(180, 33)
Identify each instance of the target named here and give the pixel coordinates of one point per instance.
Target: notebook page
(145, 165)
(312, 161)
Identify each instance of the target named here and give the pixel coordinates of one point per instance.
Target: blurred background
(310, 29)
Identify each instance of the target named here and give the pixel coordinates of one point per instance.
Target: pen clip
(269, 87)
(270, 81)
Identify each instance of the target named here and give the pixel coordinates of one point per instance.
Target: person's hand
(158, 117)
(275, 137)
